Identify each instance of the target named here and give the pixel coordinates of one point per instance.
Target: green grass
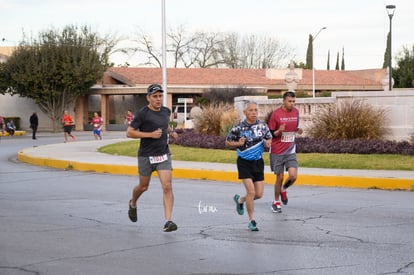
(314, 160)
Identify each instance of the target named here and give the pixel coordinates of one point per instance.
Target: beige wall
(398, 103)
(399, 106)
(23, 107)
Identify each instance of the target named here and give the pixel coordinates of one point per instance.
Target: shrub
(216, 120)
(173, 124)
(325, 94)
(189, 138)
(301, 94)
(353, 146)
(226, 95)
(350, 119)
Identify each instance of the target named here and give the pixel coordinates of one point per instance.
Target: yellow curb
(79, 166)
(333, 181)
(357, 182)
(17, 133)
(228, 176)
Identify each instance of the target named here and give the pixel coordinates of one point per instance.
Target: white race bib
(158, 159)
(288, 137)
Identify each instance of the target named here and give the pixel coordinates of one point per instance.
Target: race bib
(288, 137)
(158, 159)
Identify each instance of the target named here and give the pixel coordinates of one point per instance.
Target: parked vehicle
(179, 113)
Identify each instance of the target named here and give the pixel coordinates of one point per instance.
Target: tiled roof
(333, 79)
(243, 77)
(196, 76)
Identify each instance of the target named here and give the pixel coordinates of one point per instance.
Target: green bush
(173, 124)
(326, 94)
(301, 94)
(350, 119)
(219, 96)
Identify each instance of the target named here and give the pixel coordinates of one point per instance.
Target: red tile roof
(197, 76)
(366, 79)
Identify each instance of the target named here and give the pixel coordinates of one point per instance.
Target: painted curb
(228, 176)
(17, 133)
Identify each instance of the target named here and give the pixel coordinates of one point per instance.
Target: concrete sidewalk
(83, 156)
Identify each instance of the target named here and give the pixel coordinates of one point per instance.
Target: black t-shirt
(147, 120)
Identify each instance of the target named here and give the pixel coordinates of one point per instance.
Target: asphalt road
(69, 222)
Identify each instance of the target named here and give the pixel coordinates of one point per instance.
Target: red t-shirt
(67, 120)
(284, 143)
(129, 118)
(96, 122)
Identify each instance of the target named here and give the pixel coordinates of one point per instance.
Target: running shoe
(253, 226)
(169, 226)
(276, 208)
(239, 206)
(132, 213)
(283, 195)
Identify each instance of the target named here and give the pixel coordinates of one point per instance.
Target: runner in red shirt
(283, 124)
(97, 123)
(129, 117)
(67, 121)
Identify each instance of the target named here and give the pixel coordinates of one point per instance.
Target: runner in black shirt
(150, 124)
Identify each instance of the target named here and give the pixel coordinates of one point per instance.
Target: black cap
(153, 88)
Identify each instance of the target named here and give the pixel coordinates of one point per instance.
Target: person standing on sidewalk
(150, 125)
(283, 124)
(34, 123)
(97, 123)
(251, 136)
(67, 121)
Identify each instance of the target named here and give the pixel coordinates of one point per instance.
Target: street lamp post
(390, 11)
(164, 53)
(313, 67)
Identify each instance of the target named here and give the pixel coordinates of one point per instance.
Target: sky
(359, 27)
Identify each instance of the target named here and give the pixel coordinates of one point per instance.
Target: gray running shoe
(169, 226)
(132, 213)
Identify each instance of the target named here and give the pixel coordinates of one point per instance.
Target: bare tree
(254, 52)
(214, 50)
(182, 46)
(208, 49)
(144, 47)
(230, 50)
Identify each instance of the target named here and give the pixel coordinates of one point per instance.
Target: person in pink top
(129, 117)
(97, 123)
(284, 126)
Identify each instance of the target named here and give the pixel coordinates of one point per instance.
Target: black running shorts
(250, 169)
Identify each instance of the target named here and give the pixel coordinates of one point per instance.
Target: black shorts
(251, 169)
(67, 129)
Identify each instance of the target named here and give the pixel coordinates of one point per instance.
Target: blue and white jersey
(255, 135)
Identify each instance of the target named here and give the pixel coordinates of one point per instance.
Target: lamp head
(390, 10)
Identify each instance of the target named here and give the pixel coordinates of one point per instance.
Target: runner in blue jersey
(251, 136)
